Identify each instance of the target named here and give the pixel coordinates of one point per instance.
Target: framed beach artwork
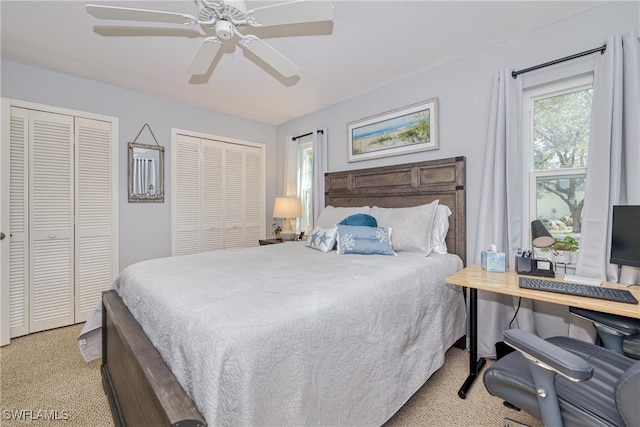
(401, 131)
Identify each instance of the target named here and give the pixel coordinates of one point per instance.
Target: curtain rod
(600, 49)
(306, 134)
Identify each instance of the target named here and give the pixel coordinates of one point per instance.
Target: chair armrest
(624, 325)
(549, 356)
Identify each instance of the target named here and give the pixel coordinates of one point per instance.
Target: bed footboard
(141, 389)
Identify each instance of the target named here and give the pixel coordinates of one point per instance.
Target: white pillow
(440, 229)
(331, 215)
(411, 226)
(322, 239)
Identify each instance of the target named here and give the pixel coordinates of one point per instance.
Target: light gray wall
(463, 88)
(145, 228)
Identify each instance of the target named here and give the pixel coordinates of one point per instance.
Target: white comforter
(287, 335)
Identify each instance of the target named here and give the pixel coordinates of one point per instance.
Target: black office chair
(614, 331)
(567, 382)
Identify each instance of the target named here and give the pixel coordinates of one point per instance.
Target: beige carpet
(44, 377)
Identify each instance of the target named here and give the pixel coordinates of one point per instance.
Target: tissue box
(493, 261)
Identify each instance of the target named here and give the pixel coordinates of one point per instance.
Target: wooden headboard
(406, 185)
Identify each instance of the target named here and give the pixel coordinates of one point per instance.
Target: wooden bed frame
(141, 389)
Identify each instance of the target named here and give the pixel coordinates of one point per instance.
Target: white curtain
(319, 169)
(290, 178)
(500, 219)
(613, 166)
(144, 174)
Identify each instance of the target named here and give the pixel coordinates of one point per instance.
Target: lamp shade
(287, 207)
(540, 236)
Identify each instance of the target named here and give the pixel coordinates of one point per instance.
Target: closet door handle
(2, 235)
(52, 235)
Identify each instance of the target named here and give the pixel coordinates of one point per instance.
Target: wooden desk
(474, 278)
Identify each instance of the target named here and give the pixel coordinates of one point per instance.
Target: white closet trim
(176, 131)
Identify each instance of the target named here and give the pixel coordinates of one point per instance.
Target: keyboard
(617, 295)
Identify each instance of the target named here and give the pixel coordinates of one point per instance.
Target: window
(556, 134)
(305, 184)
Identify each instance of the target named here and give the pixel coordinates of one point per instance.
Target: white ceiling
(368, 44)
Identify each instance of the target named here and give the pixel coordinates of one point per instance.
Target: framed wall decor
(404, 130)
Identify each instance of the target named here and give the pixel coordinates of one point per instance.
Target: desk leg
(475, 364)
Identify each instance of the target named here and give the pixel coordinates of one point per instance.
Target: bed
(292, 336)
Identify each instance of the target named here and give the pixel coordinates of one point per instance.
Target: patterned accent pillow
(322, 239)
(364, 240)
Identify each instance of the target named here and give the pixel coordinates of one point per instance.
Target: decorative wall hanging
(146, 170)
(401, 131)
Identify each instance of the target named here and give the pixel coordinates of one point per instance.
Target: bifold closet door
(187, 208)
(253, 196)
(51, 195)
(212, 195)
(18, 223)
(94, 198)
(41, 277)
(234, 197)
(243, 196)
(199, 197)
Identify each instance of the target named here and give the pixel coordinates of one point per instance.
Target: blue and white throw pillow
(322, 239)
(364, 240)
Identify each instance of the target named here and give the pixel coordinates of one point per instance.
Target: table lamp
(287, 208)
(540, 236)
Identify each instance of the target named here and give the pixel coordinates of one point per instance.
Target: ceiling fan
(227, 19)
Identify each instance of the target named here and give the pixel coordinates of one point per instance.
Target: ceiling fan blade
(272, 57)
(291, 13)
(207, 52)
(128, 14)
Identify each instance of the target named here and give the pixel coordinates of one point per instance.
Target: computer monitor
(625, 236)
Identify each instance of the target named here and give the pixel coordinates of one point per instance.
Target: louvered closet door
(94, 250)
(51, 217)
(188, 212)
(212, 195)
(234, 196)
(253, 196)
(219, 195)
(19, 223)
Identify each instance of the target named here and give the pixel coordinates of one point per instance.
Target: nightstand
(269, 241)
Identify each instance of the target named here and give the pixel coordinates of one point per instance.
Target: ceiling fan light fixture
(224, 30)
